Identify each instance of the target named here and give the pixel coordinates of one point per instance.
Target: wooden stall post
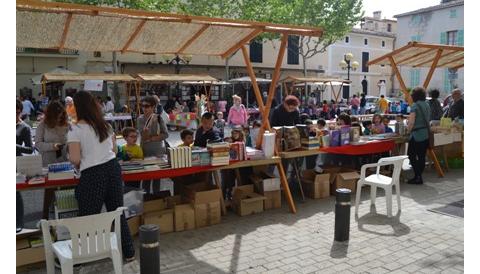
(432, 68)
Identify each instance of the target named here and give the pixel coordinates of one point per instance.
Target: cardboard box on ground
(25, 253)
(246, 201)
(160, 211)
(205, 199)
(315, 186)
(269, 186)
(342, 177)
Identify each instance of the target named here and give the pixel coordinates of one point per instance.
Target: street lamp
(348, 64)
(177, 61)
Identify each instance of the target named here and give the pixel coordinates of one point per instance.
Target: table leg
(238, 177)
(297, 173)
(218, 183)
(433, 157)
(286, 188)
(445, 160)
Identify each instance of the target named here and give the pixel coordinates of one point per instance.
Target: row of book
(180, 157)
(61, 171)
(219, 153)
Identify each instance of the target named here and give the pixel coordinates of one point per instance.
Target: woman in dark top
(287, 113)
(24, 145)
(436, 111)
(418, 124)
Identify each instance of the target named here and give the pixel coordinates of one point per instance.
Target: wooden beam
(193, 38)
(379, 59)
(134, 35)
(65, 31)
(408, 98)
(438, 46)
(273, 86)
(452, 61)
(242, 42)
(286, 188)
(431, 60)
(432, 68)
(413, 56)
(251, 73)
(459, 66)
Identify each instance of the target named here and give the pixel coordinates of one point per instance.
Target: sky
(390, 8)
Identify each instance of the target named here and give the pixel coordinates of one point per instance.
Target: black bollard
(342, 215)
(149, 249)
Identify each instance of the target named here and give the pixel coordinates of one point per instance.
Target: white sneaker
(318, 169)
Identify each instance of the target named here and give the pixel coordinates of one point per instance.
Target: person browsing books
(187, 138)
(286, 114)
(131, 150)
(206, 132)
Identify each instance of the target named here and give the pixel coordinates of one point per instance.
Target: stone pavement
(415, 241)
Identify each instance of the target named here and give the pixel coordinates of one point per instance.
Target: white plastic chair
(91, 240)
(379, 180)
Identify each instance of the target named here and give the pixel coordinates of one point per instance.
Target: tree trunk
(116, 92)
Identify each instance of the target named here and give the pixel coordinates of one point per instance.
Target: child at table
(377, 126)
(386, 121)
(219, 123)
(130, 150)
(254, 132)
(368, 127)
(187, 138)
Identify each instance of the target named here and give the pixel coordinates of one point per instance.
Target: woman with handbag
(419, 127)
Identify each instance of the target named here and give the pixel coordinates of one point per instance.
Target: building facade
(441, 24)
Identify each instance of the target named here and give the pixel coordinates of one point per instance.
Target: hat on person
(68, 99)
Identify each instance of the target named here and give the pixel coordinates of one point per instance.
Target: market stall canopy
(214, 83)
(316, 80)
(416, 54)
(176, 78)
(93, 28)
(51, 77)
(37, 80)
(246, 79)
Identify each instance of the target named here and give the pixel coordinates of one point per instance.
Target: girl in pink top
(237, 114)
(377, 126)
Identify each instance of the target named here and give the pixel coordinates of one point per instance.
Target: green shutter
(443, 38)
(412, 78)
(460, 37)
(446, 82)
(417, 77)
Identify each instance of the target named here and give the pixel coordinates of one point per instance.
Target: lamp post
(177, 61)
(348, 64)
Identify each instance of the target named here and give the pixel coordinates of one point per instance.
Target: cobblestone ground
(416, 241)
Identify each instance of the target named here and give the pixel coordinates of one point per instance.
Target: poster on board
(93, 85)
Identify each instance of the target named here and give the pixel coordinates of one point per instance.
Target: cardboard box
(30, 255)
(273, 199)
(347, 180)
(315, 186)
(205, 199)
(23, 243)
(440, 139)
(184, 217)
(207, 214)
(163, 218)
(246, 201)
(265, 182)
(133, 225)
(153, 205)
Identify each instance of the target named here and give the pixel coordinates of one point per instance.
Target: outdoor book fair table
(432, 56)
(97, 28)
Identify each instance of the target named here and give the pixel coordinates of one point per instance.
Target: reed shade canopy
(92, 28)
(70, 77)
(202, 78)
(421, 55)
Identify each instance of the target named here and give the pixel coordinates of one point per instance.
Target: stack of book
(200, 157)
(237, 151)
(180, 157)
(220, 153)
(310, 143)
(131, 166)
(61, 171)
(254, 154)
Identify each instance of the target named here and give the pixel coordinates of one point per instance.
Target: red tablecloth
(368, 148)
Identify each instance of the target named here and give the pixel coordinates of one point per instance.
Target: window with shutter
(460, 37)
(293, 52)
(443, 38)
(256, 52)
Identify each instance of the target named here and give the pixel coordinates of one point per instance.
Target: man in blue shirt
(27, 108)
(206, 132)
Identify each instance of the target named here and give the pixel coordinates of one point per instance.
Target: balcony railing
(47, 51)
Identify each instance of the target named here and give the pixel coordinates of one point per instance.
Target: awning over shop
(294, 81)
(93, 28)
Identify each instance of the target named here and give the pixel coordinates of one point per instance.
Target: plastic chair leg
(357, 197)
(117, 262)
(67, 267)
(397, 191)
(50, 264)
(373, 194)
(388, 196)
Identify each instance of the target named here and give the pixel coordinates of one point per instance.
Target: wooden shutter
(443, 38)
